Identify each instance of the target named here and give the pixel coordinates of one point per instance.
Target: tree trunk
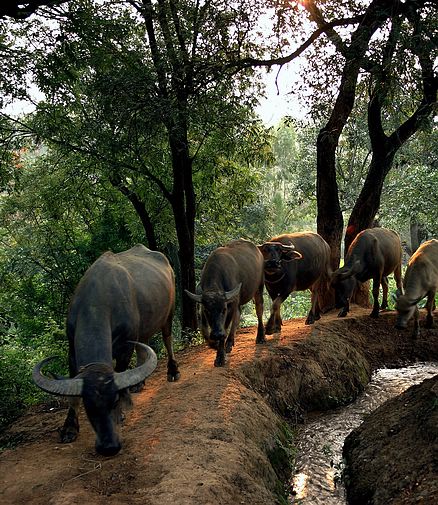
(141, 210)
(184, 208)
(415, 240)
(330, 220)
(368, 202)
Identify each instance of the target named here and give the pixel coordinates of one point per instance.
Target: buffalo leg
(70, 431)
(205, 329)
(274, 322)
(416, 332)
(123, 359)
(345, 309)
(220, 355)
(385, 293)
(122, 363)
(314, 313)
(258, 300)
(233, 327)
(430, 306)
(376, 287)
(172, 366)
(398, 280)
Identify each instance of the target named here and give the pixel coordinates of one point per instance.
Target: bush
(18, 356)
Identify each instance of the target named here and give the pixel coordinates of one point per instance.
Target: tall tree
(361, 53)
(139, 87)
(388, 108)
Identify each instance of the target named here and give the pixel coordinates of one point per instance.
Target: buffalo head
(275, 254)
(344, 282)
(215, 307)
(101, 390)
(406, 309)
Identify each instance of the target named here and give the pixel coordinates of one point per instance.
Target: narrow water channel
(318, 464)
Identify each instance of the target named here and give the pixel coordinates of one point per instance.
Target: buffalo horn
(354, 269)
(61, 387)
(129, 378)
(229, 295)
(197, 298)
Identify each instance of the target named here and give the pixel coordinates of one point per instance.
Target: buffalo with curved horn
(231, 277)
(121, 301)
(295, 262)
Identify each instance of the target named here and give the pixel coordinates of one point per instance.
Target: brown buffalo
(374, 254)
(123, 299)
(231, 277)
(294, 262)
(421, 280)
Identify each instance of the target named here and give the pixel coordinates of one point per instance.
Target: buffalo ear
(291, 255)
(193, 296)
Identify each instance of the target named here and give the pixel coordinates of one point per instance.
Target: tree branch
(18, 10)
(254, 62)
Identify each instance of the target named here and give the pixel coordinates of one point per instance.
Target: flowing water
(318, 464)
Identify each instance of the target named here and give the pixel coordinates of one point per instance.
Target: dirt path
(203, 440)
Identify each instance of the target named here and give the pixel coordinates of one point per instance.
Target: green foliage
(409, 194)
(296, 305)
(18, 355)
(281, 457)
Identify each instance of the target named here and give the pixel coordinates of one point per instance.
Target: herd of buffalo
(123, 299)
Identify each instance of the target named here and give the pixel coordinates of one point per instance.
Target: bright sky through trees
(279, 101)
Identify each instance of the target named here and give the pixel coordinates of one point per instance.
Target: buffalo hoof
(310, 319)
(270, 330)
(374, 314)
(68, 435)
(220, 360)
(108, 451)
(343, 312)
(429, 322)
(172, 371)
(173, 377)
(261, 340)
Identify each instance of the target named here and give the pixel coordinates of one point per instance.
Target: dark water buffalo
(122, 299)
(294, 262)
(231, 277)
(421, 280)
(374, 254)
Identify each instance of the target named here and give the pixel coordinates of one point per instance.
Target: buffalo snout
(273, 265)
(214, 339)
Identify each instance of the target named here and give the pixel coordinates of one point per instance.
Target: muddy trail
(218, 435)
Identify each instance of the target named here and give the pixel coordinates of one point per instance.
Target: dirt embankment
(393, 456)
(217, 435)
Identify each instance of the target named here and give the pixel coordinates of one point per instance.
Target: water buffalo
(122, 299)
(231, 277)
(421, 280)
(374, 254)
(294, 262)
